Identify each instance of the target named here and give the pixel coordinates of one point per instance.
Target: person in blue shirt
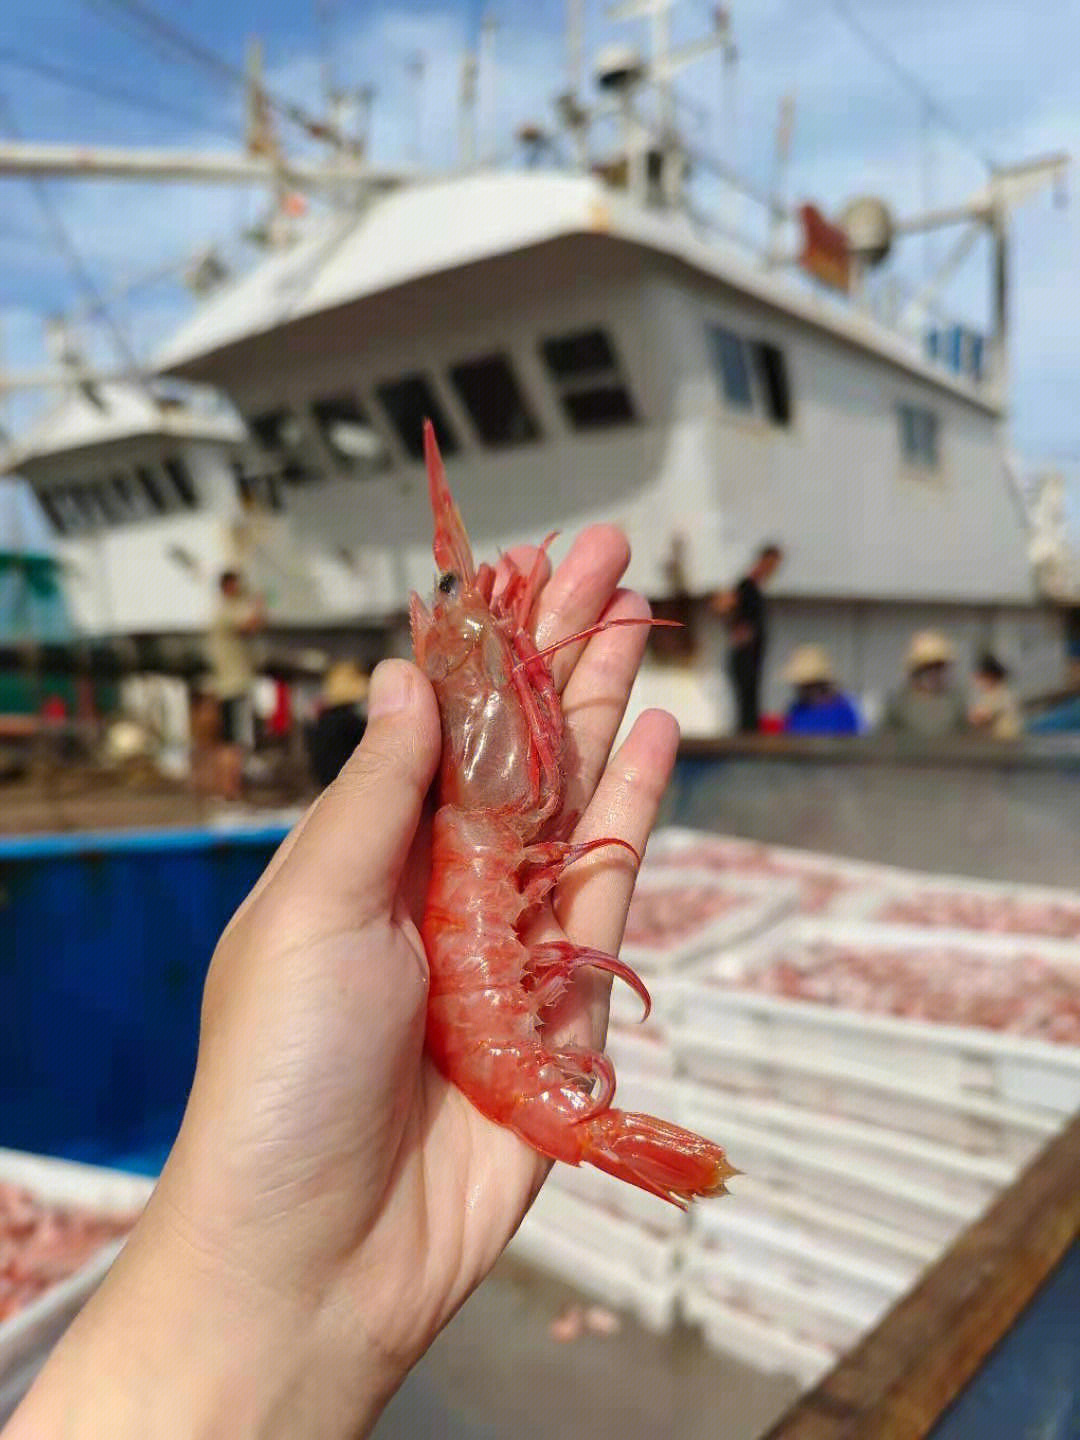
(818, 706)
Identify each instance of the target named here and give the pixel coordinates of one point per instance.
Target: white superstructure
(588, 349)
(150, 500)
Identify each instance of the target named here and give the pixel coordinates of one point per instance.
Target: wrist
(176, 1344)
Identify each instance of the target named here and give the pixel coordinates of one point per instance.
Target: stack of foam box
(867, 1142)
(872, 1141)
(616, 1243)
(27, 1337)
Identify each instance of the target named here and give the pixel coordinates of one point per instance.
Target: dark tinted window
(919, 441)
(344, 425)
(729, 357)
(588, 350)
(409, 402)
(598, 405)
(258, 489)
(772, 373)
(51, 502)
(494, 401)
(126, 498)
(178, 473)
(277, 430)
(106, 501)
(153, 487)
(585, 371)
(280, 432)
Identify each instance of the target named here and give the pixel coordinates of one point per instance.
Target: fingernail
(391, 689)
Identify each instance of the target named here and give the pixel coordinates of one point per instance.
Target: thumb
(348, 858)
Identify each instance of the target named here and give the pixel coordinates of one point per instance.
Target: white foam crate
(970, 1180)
(28, 1336)
(611, 1281)
(955, 1059)
(814, 1168)
(650, 1255)
(914, 1105)
(595, 1187)
(734, 858)
(756, 1341)
(757, 903)
(873, 906)
(858, 1235)
(652, 1094)
(803, 1310)
(785, 1252)
(641, 1051)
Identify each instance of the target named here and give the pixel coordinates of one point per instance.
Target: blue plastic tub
(105, 940)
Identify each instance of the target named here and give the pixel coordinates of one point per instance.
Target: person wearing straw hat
(930, 705)
(342, 719)
(819, 707)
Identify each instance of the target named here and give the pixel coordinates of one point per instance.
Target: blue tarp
(104, 945)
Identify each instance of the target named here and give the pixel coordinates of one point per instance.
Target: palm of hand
(322, 1149)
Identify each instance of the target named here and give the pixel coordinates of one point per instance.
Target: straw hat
(928, 647)
(810, 665)
(345, 684)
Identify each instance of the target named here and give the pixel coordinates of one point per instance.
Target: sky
(1001, 76)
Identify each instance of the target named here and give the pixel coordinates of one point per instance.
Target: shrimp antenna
(596, 629)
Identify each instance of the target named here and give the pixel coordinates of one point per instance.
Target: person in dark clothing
(744, 610)
(340, 724)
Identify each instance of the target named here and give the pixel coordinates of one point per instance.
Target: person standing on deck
(231, 652)
(819, 706)
(744, 610)
(930, 705)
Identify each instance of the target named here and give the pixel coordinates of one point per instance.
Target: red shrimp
(501, 788)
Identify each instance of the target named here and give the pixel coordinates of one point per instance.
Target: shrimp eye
(448, 583)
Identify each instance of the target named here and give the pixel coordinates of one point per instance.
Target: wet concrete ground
(496, 1373)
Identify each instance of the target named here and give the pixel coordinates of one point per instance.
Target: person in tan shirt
(231, 652)
(996, 710)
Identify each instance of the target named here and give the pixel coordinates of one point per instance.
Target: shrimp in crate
(498, 850)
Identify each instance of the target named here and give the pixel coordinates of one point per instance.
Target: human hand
(331, 1200)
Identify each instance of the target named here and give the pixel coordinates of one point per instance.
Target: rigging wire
(93, 85)
(158, 27)
(64, 242)
(908, 78)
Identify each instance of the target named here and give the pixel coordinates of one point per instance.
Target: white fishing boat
(150, 499)
(590, 347)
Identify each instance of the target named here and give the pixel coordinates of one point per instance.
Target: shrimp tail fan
(653, 1154)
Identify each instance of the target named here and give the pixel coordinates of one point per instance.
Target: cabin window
(153, 489)
(263, 491)
(280, 432)
(586, 373)
(82, 502)
(348, 433)
(178, 472)
(772, 376)
(729, 357)
(105, 501)
(409, 402)
(126, 498)
(588, 352)
(919, 436)
(59, 512)
(493, 398)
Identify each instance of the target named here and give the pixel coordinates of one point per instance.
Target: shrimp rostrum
(496, 855)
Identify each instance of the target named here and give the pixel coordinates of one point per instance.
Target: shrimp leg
(550, 966)
(545, 863)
